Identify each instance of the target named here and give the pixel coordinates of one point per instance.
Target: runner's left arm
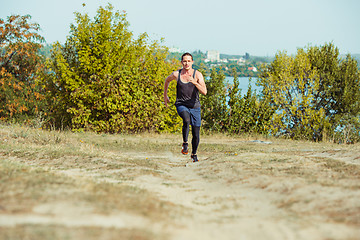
(199, 83)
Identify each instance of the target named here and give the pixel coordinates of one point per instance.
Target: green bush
(316, 94)
(102, 79)
(214, 108)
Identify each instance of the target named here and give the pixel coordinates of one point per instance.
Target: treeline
(242, 69)
(103, 79)
(314, 95)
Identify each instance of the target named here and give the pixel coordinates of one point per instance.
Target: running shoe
(185, 149)
(194, 158)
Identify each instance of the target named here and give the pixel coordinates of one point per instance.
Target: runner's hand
(166, 100)
(192, 80)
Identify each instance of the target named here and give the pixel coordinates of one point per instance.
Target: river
(244, 84)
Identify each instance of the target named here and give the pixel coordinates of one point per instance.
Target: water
(244, 84)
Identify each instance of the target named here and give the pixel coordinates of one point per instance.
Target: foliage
(339, 89)
(235, 104)
(46, 50)
(227, 66)
(313, 92)
(226, 110)
(248, 114)
(104, 80)
(20, 68)
(198, 58)
(214, 109)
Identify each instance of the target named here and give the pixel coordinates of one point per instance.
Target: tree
(214, 109)
(249, 113)
(20, 68)
(339, 88)
(235, 103)
(312, 92)
(104, 80)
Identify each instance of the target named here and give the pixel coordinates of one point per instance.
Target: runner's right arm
(171, 77)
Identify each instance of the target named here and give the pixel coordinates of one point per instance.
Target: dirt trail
(222, 210)
(216, 210)
(227, 197)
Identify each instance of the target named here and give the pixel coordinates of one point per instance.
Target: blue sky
(259, 27)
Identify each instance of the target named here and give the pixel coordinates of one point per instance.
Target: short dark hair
(186, 54)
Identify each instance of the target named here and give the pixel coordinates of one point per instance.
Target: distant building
(213, 56)
(174, 50)
(239, 61)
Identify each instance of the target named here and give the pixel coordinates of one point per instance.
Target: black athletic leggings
(194, 130)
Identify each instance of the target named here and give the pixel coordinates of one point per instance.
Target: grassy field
(64, 185)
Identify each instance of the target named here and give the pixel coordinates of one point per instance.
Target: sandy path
(215, 207)
(221, 210)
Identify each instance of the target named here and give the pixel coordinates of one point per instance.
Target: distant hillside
(229, 56)
(250, 57)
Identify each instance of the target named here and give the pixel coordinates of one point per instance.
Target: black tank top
(187, 94)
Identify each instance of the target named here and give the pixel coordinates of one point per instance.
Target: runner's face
(187, 62)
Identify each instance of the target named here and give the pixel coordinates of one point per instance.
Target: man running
(189, 83)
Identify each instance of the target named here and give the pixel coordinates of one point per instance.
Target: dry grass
(311, 178)
(24, 187)
(30, 163)
(92, 171)
(38, 232)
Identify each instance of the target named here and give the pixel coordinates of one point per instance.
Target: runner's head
(186, 54)
(187, 61)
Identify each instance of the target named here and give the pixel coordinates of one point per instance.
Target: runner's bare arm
(171, 77)
(199, 83)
